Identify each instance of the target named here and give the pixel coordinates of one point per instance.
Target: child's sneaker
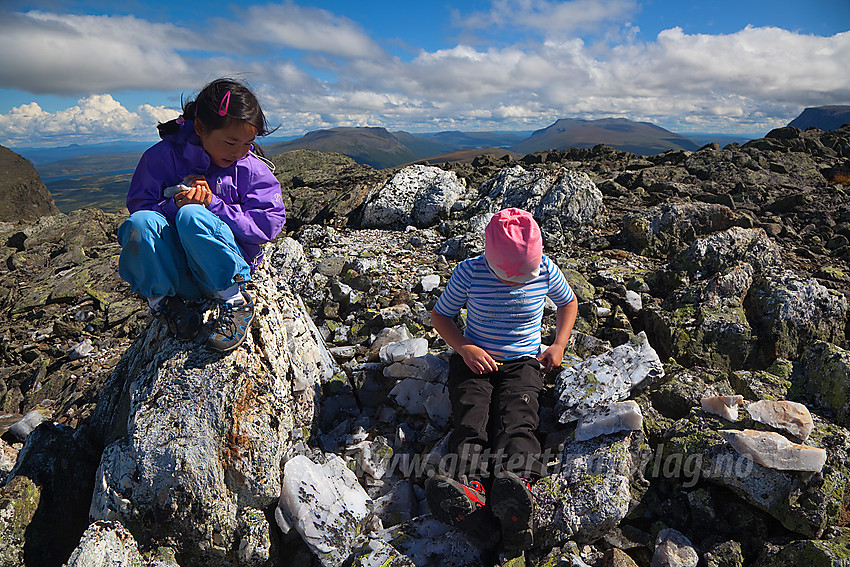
(231, 325)
(182, 321)
(462, 505)
(451, 501)
(513, 504)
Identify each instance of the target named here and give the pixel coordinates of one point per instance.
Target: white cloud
(552, 18)
(93, 118)
(67, 54)
(310, 29)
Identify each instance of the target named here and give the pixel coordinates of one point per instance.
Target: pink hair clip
(225, 103)
(180, 120)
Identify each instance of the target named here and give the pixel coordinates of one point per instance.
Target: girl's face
(229, 144)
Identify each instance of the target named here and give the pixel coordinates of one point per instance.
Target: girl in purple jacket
(202, 204)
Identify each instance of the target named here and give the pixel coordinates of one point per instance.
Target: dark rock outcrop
(23, 196)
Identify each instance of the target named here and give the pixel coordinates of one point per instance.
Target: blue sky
(82, 72)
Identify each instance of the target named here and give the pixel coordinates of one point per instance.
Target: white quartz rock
(788, 416)
(23, 427)
(724, 406)
(619, 416)
(606, 378)
(402, 350)
(774, 451)
(430, 282)
(325, 504)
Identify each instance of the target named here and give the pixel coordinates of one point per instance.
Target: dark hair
(220, 102)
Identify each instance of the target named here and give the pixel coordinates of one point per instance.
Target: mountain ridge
(829, 117)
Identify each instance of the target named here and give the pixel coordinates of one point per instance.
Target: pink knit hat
(513, 247)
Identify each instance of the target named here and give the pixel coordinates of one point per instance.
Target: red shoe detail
(476, 492)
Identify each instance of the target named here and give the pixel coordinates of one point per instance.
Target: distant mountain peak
(829, 117)
(642, 138)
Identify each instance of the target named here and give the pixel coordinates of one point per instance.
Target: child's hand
(477, 359)
(551, 357)
(199, 192)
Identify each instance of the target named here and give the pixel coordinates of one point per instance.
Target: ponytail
(173, 126)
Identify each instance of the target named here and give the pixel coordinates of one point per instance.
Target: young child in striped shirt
(495, 376)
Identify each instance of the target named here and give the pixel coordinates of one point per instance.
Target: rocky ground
(732, 262)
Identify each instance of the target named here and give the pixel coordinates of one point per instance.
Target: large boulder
(790, 312)
(562, 201)
(323, 187)
(803, 502)
(594, 486)
(823, 378)
(419, 195)
(195, 439)
(665, 230)
(719, 252)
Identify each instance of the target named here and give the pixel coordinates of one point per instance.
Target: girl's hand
(199, 192)
(477, 359)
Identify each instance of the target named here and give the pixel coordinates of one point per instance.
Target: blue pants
(193, 256)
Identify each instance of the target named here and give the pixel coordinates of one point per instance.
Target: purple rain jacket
(246, 195)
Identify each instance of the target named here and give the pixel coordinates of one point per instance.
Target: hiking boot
(451, 501)
(231, 324)
(513, 504)
(182, 321)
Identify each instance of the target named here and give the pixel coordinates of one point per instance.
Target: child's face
(229, 144)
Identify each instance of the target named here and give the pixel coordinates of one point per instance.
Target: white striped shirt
(502, 319)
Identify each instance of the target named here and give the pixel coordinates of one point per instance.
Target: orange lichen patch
(844, 517)
(841, 178)
(237, 443)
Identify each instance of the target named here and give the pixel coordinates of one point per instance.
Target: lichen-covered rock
(104, 544)
(378, 553)
(326, 505)
(724, 250)
(790, 313)
(684, 388)
(58, 465)
(705, 324)
(561, 201)
(19, 500)
(665, 230)
(605, 378)
(724, 554)
(802, 502)
(824, 379)
(194, 437)
(419, 195)
(323, 187)
(771, 384)
(592, 488)
(812, 553)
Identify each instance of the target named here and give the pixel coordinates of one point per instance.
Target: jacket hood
(193, 150)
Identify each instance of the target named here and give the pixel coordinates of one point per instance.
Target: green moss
(22, 497)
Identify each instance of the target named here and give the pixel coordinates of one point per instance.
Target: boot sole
(513, 505)
(448, 501)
